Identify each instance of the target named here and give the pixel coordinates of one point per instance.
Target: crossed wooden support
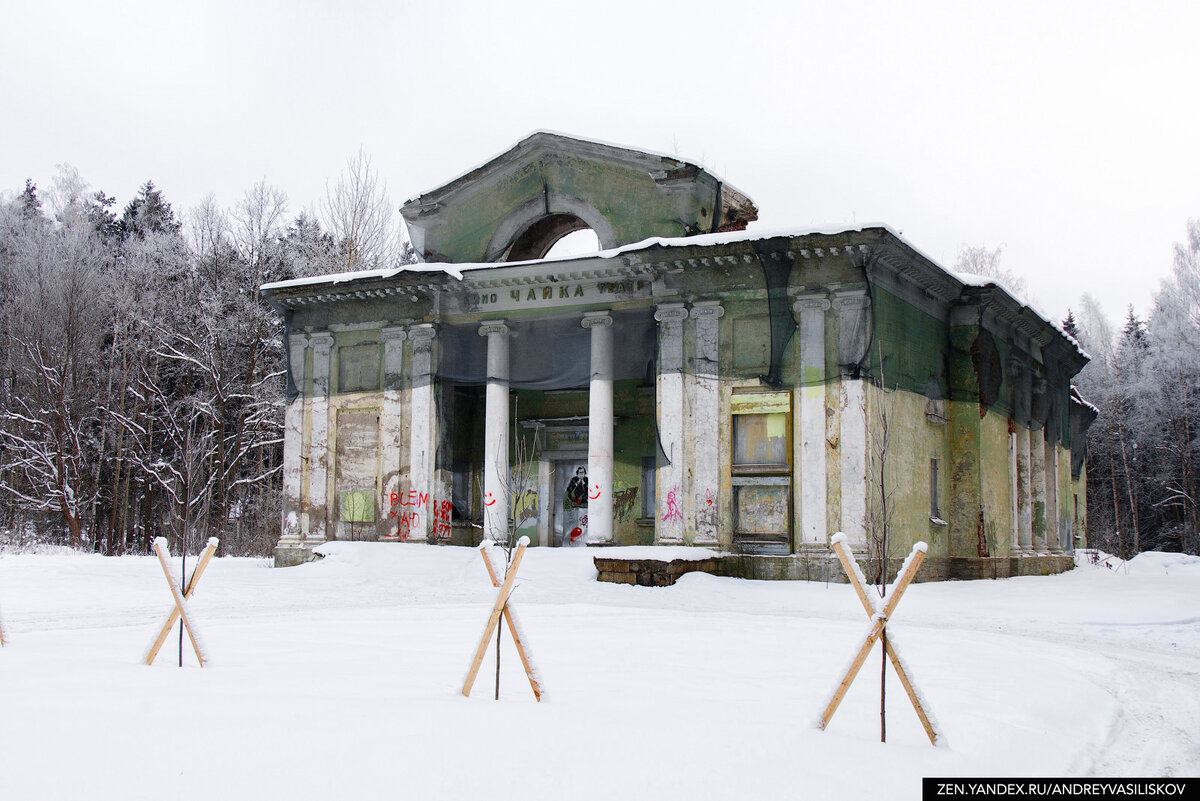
(880, 617)
(180, 609)
(502, 608)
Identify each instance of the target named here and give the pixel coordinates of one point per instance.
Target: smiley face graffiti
(595, 493)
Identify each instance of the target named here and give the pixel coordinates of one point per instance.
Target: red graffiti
(708, 498)
(576, 533)
(489, 500)
(597, 495)
(409, 522)
(441, 519)
(414, 498)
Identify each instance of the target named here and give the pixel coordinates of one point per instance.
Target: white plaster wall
(854, 461)
(319, 455)
(705, 404)
(423, 423)
(810, 443)
(669, 479)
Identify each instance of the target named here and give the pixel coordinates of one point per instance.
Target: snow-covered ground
(341, 679)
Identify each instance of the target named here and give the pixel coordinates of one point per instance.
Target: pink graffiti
(708, 497)
(673, 512)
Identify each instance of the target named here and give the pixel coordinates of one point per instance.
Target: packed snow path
(341, 679)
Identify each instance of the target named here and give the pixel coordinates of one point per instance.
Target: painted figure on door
(575, 501)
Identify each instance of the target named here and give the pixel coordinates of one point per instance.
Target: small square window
(760, 441)
(358, 507)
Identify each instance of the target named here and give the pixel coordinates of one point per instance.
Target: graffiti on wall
(404, 508)
(672, 514)
(441, 519)
(623, 502)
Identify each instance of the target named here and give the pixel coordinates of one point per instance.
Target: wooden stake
(494, 618)
(178, 610)
(512, 628)
(880, 616)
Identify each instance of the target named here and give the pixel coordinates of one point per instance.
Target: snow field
(341, 678)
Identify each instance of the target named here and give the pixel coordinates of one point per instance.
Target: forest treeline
(1143, 463)
(141, 376)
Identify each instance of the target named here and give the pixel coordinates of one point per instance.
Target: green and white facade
(753, 392)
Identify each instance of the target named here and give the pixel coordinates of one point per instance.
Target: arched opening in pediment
(581, 242)
(552, 234)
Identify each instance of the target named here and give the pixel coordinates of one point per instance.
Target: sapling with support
(498, 610)
(514, 626)
(879, 616)
(179, 611)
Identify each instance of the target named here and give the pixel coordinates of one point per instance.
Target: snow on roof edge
(457, 269)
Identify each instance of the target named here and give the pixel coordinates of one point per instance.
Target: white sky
(1067, 132)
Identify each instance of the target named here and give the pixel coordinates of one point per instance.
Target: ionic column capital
(321, 341)
(670, 313)
(422, 336)
(600, 319)
(707, 310)
(493, 327)
(811, 302)
(856, 299)
(393, 333)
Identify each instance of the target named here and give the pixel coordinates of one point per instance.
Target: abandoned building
(696, 382)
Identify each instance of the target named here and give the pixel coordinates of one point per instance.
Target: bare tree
(359, 214)
(48, 420)
(985, 263)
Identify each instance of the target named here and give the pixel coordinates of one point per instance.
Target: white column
(1052, 536)
(852, 441)
(1024, 509)
(1037, 487)
(669, 390)
(600, 429)
(293, 444)
(496, 484)
(1014, 544)
(422, 444)
(391, 423)
(810, 444)
(319, 457)
(706, 424)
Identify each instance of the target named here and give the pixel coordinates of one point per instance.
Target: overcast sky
(1069, 133)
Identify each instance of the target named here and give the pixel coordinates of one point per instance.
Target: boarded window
(358, 507)
(357, 472)
(358, 368)
(760, 440)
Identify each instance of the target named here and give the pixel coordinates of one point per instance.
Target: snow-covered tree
(985, 263)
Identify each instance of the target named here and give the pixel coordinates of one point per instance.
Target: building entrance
(569, 500)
